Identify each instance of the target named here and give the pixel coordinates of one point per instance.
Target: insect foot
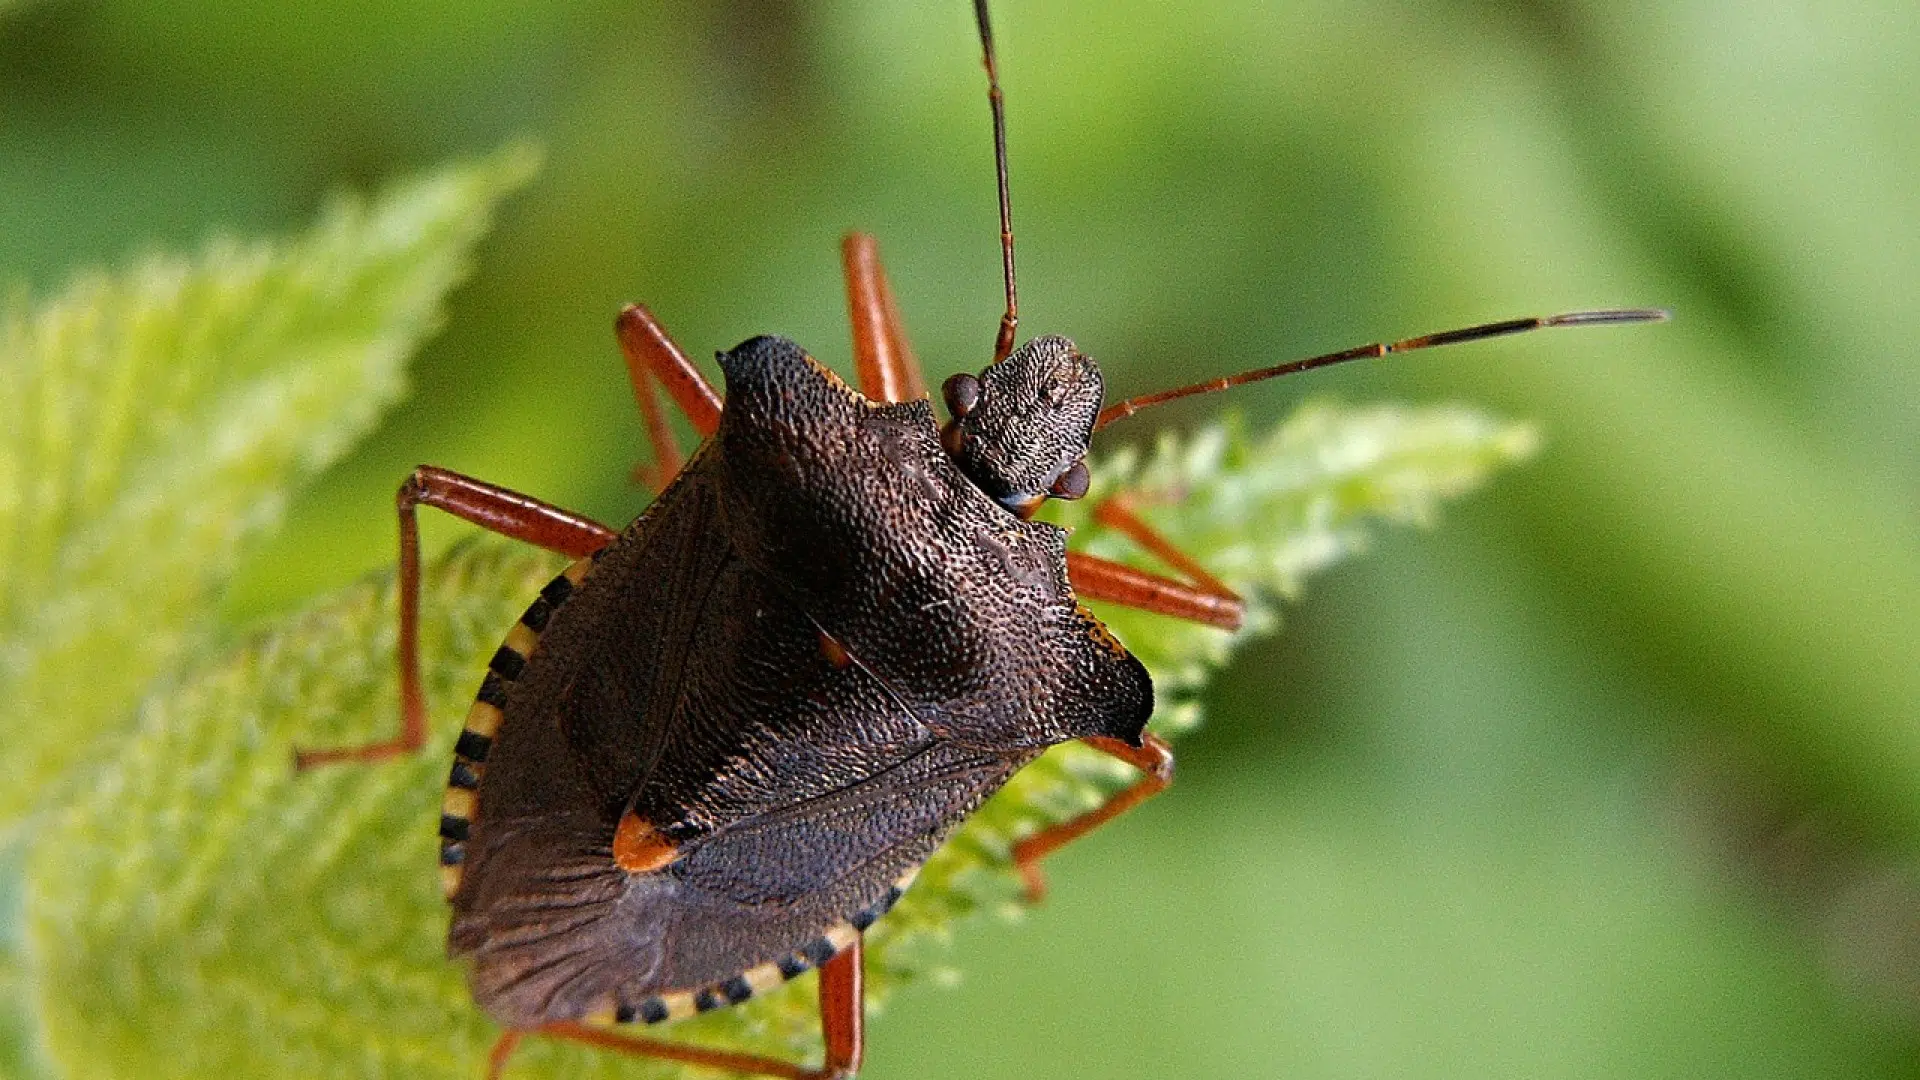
(1154, 758)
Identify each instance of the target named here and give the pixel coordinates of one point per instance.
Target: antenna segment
(1003, 344)
(1122, 410)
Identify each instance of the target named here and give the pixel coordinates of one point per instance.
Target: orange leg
(888, 371)
(667, 460)
(842, 1010)
(496, 509)
(652, 356)
(1206, 600)
(1103, 579)
(1153, 757)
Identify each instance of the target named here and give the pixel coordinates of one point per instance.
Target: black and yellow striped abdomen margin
(483, 721)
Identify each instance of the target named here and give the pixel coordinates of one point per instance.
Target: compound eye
(1073, 483)
(962, 393)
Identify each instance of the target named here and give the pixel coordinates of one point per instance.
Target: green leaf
(205, 911)
(160, 418)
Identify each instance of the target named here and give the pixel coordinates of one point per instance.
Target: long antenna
(1003, 344)
(1124, 409)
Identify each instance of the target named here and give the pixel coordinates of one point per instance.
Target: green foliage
(160, 418)
(1545, 798)
(207, 911)
(204, 910)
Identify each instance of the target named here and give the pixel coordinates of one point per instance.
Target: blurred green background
(1617, 774)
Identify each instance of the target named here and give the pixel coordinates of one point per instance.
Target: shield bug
(716, 748)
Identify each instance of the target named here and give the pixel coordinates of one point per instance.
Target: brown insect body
(717, 746)
(685, 683)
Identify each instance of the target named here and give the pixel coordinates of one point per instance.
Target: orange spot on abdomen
(638, 847)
